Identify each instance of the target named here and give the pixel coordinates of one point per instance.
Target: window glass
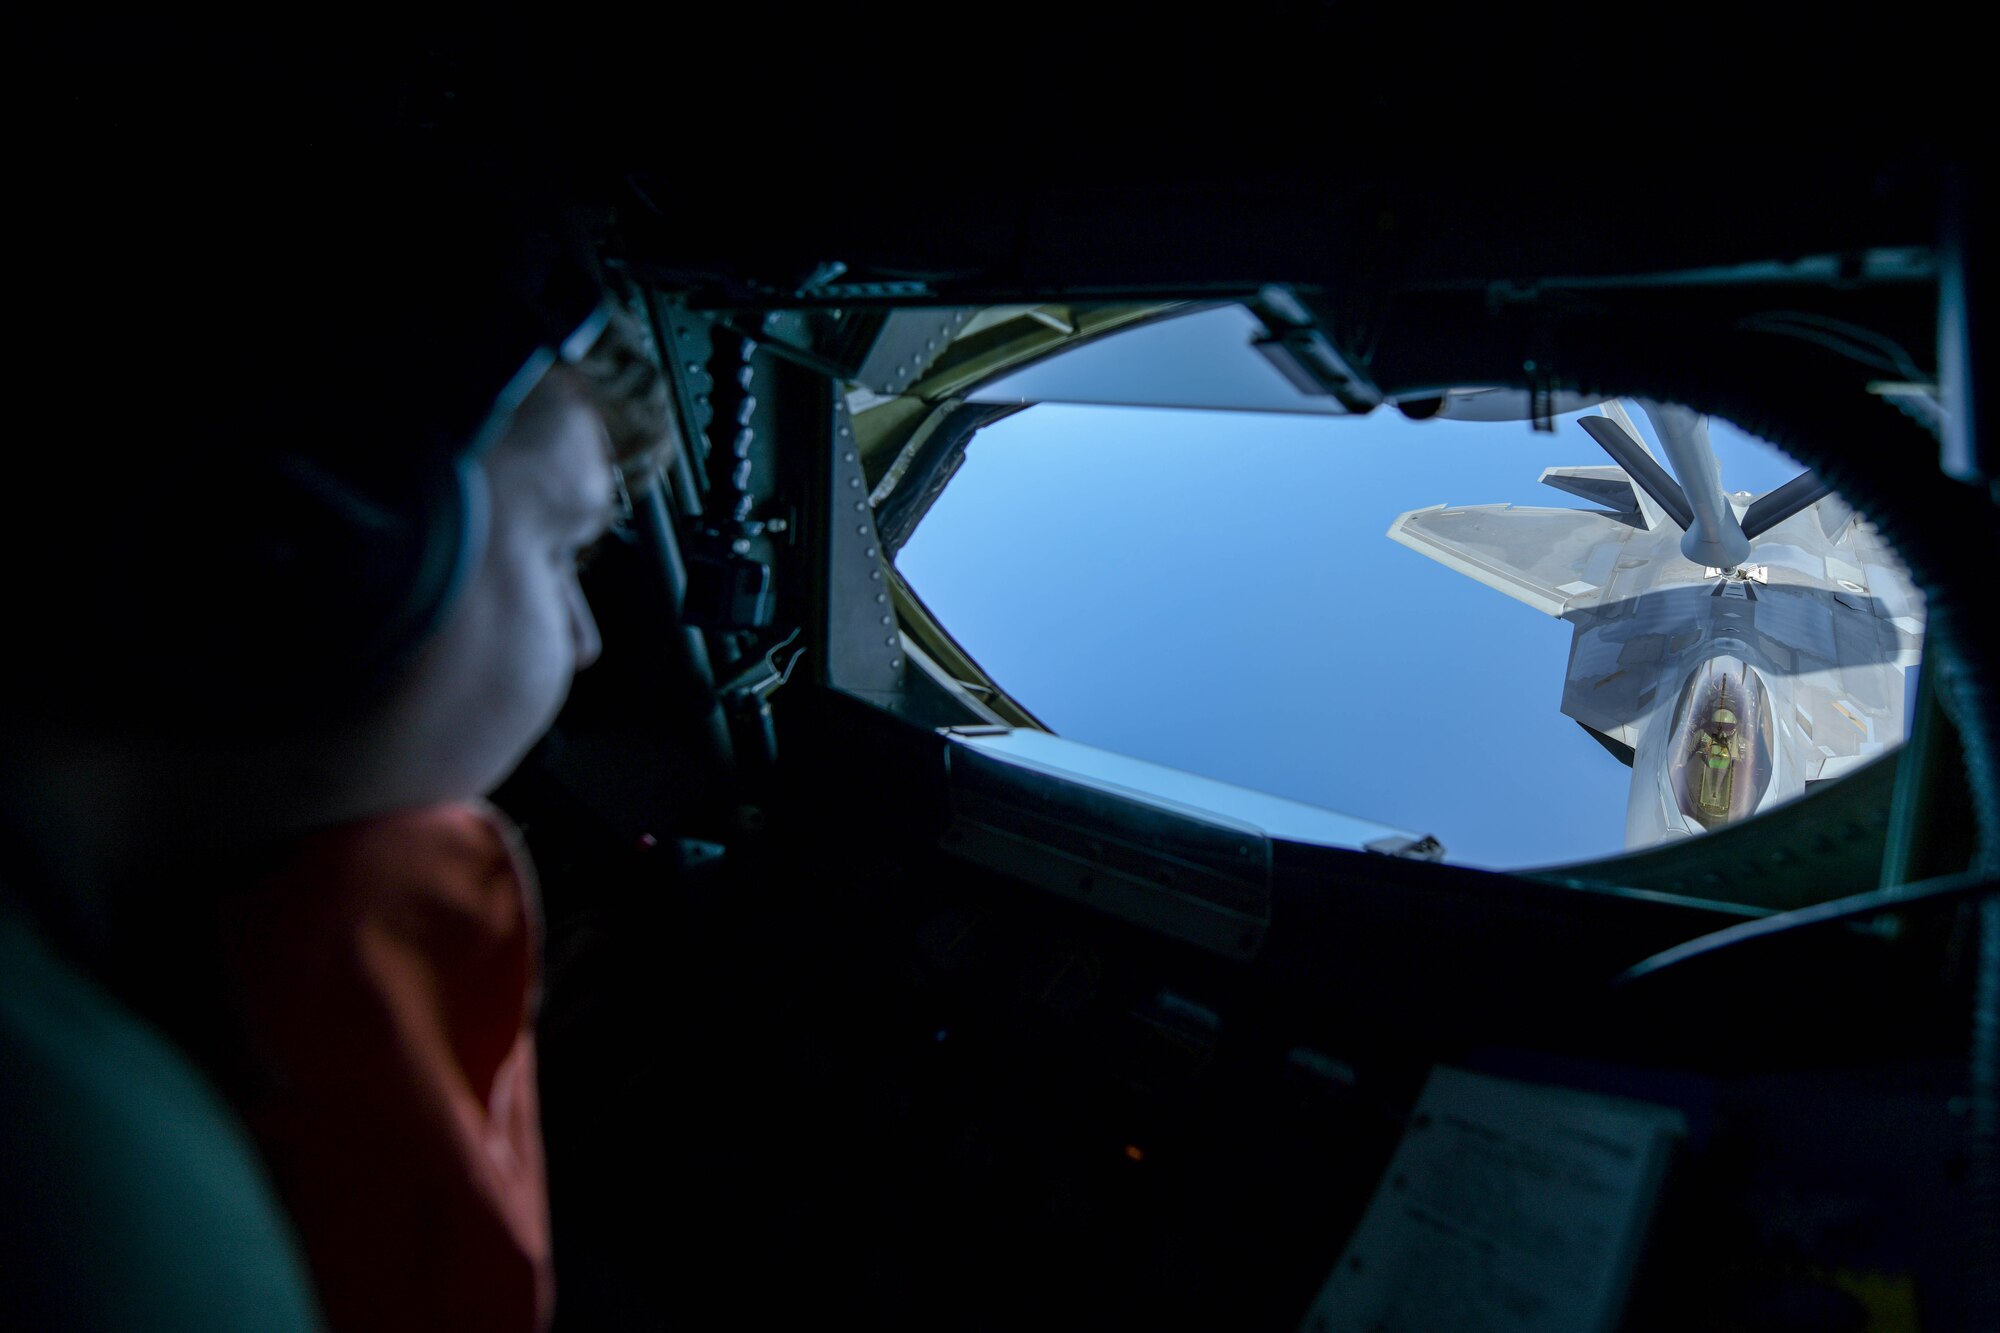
(1517, 669)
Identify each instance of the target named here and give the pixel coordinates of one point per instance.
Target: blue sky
(1214, 591)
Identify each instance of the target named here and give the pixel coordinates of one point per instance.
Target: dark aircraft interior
(849, 1019)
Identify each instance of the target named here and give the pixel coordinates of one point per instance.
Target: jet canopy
(1722, 753)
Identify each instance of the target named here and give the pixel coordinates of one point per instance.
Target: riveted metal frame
(863, 648)
(909, 341)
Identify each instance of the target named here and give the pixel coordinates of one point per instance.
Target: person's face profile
(493, 678)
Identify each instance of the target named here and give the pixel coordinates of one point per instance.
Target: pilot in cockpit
(1717, 751)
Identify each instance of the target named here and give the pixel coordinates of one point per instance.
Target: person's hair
(626, 387)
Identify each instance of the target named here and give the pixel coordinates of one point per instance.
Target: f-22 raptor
(1729, 648)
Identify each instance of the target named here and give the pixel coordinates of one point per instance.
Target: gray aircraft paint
(1820, 623)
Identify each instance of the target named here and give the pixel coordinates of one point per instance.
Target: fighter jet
(1731, 649)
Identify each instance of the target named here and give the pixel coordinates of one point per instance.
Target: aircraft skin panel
(1542, 557)
(1801, 622)
(1615, 666)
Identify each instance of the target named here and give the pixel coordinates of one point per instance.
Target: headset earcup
(235, 594)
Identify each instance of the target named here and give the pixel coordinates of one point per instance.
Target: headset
(275, 387)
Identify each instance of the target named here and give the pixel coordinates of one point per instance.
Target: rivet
(875, 574)
(863, 530)
(694, 367)
(847, 457)
(854, 483)
(860, 506)
(845, 431)
(871, 553)
(881, 596)
(891, 641)
(896, 662)
(930, 344)
(686, 334)
(888, 620)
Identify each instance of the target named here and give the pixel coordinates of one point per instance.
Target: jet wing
(1555, 560)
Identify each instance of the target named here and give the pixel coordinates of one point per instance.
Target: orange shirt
(385, 979)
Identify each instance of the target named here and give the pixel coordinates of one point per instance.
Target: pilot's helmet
(1724, 721)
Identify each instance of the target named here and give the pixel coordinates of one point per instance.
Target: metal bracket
(909, 341)
(864, 649)
(727, 557)
(820, 285)
(1301, 351)
(686, 343)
